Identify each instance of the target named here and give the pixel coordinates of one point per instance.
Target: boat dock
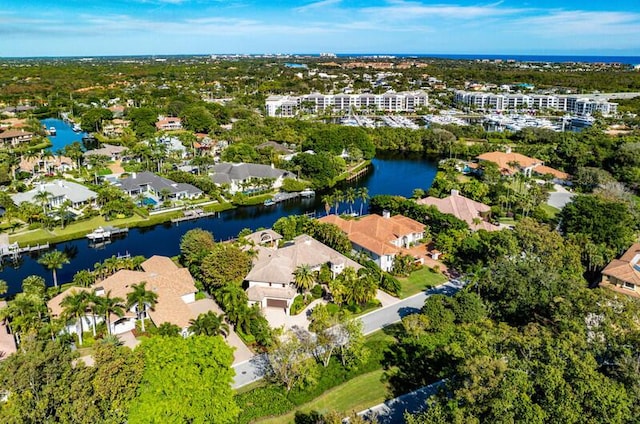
(281, 197)
(192, 214)
(103, 233)
(13, 251)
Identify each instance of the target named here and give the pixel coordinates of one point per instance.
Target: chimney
(455, 192)
(386, 214)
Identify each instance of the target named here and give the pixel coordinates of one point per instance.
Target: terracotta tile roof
(7, 342)
(162, 276)
(14, 133)
(543, 170)
(258, 293)
(376, 233)
(624, 269)
(503, 159)
(462, 208)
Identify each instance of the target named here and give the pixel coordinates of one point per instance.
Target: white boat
(52, 131)
(269, 202)
(582, 121)
(76, 128)
(307, 192)
(99, 234)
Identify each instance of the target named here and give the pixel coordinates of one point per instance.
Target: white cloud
(581, 23)
(317, 5)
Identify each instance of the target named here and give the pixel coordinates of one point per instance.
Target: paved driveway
(559, 198)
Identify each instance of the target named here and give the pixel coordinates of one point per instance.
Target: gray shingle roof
(242, 171)
(156, 182)
(74, 192)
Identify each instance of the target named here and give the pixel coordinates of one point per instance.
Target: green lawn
(357, 394)
(550, 210)
(420, 280)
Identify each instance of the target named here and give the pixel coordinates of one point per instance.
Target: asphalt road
(254, 369)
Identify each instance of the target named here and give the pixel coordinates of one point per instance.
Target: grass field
(356, 395)
(550, 210)
(420, 280)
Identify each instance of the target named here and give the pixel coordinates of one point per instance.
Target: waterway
(389, 174)
(64, 133)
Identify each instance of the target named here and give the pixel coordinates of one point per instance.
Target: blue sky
(124, 27)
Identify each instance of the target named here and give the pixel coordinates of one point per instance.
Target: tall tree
(303, 277)
(74, 306)
(209, 324)
(53, 261)
(142, 299)
(107, 306)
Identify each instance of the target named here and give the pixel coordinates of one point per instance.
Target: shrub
(316, 291)
(35, 225)
(290, 185)
(297, 305)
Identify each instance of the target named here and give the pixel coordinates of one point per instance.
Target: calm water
(389, 175)
(64, 133)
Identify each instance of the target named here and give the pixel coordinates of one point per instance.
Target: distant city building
(288, 106)
(572, 104)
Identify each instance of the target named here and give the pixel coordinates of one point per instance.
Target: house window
(629, 286)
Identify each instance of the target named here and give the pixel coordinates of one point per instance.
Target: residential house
(174, 286)
(623, 275)
(173, 144)
(46, 165)
(168, 124)
(510, 163)
(152, 185)
(15, 137)
(475, 214)
(380, 237)
(264, 238)
(248, 176)
(115, 128)
(59, 192)
(271, 280)
(7, 341)
(111, 151)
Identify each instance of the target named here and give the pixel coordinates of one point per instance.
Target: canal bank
(389, 174)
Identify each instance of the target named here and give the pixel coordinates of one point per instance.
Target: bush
(316, 291)
(291, 185)
(261, 402)
(297, 305)
(35, 225)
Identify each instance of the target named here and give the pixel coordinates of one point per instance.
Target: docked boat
(269, 202)
(76, 128)
(307, 192)
(52, 131)
(99, 234)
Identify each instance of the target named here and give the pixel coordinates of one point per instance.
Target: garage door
(277, 303)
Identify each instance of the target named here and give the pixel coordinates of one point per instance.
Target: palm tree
(363, 194)
(337, 198)
(107, 305)
(43, 198)
(209, 324)
(54, 260)
(142, 299)
(75, 306)
(327, 199)
(62, 211)
(350, 197)
(84, 278)
(35, 285)
(3, 287)
(303, 277)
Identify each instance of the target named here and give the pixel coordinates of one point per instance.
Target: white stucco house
(246, 176)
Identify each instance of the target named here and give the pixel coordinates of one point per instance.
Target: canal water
(64, 133)
(389, 174)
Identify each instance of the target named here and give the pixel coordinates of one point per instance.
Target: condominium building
(500, 102)
(287, 106)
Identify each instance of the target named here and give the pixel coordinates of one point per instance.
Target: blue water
(389, 175)
(64, 134)
(628, 60)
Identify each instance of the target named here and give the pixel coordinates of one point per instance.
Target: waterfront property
(46, 165)
(623, 275)
(248, 176)
(510, 163)
(380, 237)
(288, 106)
(57, 191)
(149, 184)
(475, 214)
(174, 286)
(271, 279)
(15, 137)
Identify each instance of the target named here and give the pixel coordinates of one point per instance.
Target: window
(629, 286)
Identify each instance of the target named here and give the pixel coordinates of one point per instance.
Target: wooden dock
(192, 214)
(13, 251)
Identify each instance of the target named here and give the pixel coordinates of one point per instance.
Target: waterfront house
(380, 237)
(174, 286)
(248, 176)
(58, 191)
(271, 279)
(15, 137)
(623, 275)
(150, 184)
(111, 151)
(475, 214)
(511, 163)
(46, 165)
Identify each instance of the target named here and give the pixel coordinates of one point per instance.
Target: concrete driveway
(278, 318)
(559, 198)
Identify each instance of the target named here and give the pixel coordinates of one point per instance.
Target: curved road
(254, 369)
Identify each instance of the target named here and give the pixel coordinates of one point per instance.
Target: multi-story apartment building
(287, 106)
(499, 102)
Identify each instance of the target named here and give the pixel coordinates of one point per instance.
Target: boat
(52, 131)
(99, 234)
(307, 192)
(269, 202)
(76, 128)
(582, 121)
